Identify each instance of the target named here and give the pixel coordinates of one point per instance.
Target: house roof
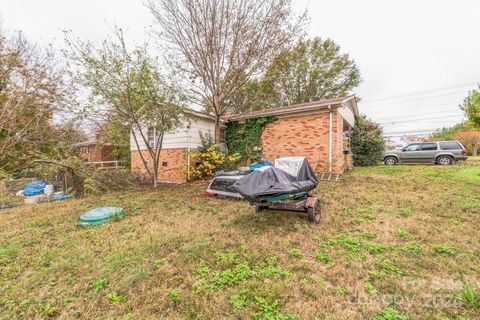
(298, 108)
(199, 114)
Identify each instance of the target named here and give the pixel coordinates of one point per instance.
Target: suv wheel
(444, 160)
(390, 161)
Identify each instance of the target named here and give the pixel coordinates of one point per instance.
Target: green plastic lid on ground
(101, 215)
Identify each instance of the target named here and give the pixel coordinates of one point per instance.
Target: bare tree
(127, 86)
(218, 45)
(32, 87)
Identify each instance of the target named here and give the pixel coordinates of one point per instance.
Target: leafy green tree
(32, 89)
(465, 132)
(448, 133)
(368, 144)
(311, 70)
(471, 107)
(128, 86)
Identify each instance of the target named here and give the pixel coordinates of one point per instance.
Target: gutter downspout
(188, 152)
(330, 140)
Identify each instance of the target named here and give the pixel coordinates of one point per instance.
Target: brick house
(320, 130)
(95, 150)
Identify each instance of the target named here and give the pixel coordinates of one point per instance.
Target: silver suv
(439, 152)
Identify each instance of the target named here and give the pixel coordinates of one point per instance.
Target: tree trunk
(218, 133)
(474, 151)
(155, 171)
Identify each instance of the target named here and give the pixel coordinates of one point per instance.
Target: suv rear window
(429, 146)
(450, 145)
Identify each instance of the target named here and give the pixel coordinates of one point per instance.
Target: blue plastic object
(61, 197)
(34, 188)
(101, 215)
(7, 206)
(262, 163)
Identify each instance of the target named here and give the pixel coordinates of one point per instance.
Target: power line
(421, 92)
(425, 131)
(452, 105)
(419, 114)
(416, 99)
(423, 119)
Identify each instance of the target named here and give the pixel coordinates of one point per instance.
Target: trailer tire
(314, 212)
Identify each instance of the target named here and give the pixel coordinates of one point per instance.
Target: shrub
(368, 144)
(211, 160)
(206, 141)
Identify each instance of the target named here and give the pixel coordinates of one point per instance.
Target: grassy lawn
(397, 242)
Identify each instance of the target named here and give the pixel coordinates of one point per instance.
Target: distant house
(320, 130)
(95, 150)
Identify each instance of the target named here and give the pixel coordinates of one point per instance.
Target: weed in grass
(99, 284)
(351, 245)
(365, 214)
(390, 170)
(239, 273)
(8, 254)
(296, 252)
(68, 300)
(47, 309)
(454, 221)
(114, 298)
(174, 296)
(413, 248)
(354, 246)
(116, 261)
(368, 235)
(270, 269)
(374, 274)
(370, 289)
(228, 256)
(403, 234)
(213, 208)
(269, 311)
(471, 206)
(305, 281)
(240, 300)
(202, 271)
(297, 226)
(160, 262)
(445, 250)
(323, 257)
(471, 297)
(389, 314)
(342, 291)
(389, 268)
(405, 212)
(377, 248)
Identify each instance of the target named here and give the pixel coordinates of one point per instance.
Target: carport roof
(296, 108)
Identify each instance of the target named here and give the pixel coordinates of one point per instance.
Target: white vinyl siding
(182, 137)
(347, 114)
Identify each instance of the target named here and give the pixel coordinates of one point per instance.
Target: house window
(151, 137)
(165, 163)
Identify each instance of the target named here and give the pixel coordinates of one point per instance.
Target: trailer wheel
(314, 212)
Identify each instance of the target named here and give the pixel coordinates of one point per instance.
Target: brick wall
(306, 135)
(175, 169)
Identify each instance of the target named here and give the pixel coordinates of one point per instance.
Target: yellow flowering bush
(206, 163)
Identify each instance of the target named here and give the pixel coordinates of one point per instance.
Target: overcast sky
(429, 47)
